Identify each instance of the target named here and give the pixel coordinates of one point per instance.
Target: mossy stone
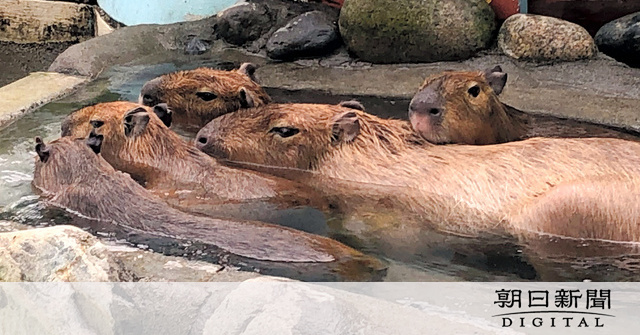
(399, 31)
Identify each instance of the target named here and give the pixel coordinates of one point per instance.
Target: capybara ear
(65, 127)
(94, 141)
(135, 122)
(42, 150)
(246, 98)
(249, 69)
(164, 113)
(353, 104)
(496, 78)
(346, 127)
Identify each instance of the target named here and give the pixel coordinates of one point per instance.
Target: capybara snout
(150, 92)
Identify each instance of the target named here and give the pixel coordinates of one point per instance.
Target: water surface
(412, 254)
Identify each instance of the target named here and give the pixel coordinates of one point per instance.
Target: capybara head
(77, 123)
(135, 139)
(296, 135)
(66, 162)
(198, 96)
(460, 107)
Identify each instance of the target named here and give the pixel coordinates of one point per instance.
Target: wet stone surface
(310, 34)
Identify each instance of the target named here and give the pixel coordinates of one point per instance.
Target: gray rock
(68, 253)
(196, 47)
(61, 253)
(148, 266)
(541, 39)
(129, 44)
(310, 34)
(620, 39)
(250, 24)
(397, 31)
(244, 22)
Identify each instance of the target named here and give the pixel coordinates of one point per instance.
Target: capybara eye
(284, 131)
(96, 123)
(474, 90)
(206, 96)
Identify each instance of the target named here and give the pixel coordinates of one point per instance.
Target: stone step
(35, 90)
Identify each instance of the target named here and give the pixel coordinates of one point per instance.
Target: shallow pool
(411, 254)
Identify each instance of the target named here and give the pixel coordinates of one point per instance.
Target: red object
(504, 8)
(333, 3)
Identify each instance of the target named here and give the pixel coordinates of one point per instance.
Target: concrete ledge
(28, 93)
(29, 21)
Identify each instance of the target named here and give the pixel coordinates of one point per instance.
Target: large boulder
(542, 38)
(244, 22)
(310, 34)
(398, 31)
(620, 39)
(61, 253)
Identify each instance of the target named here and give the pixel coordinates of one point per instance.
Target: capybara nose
(201, 142)
(422, 107)
(148, 100)
(426, 102)
(150, 92)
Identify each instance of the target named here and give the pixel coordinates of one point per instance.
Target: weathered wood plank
(33, 21)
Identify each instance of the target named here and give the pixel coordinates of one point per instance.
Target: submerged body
(460, 188)
(463, 107)
(69, 175)
(137, 142)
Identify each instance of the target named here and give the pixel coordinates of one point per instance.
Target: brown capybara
(463, 107)
(198, 96)
(137, 142)
(461, 188)
(79, 121)
(70, 175)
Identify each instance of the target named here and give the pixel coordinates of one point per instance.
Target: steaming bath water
(421, 255)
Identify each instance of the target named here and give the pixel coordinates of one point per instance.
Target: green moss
(389, 31)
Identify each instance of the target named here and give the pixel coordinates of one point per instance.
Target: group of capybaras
(464, 163)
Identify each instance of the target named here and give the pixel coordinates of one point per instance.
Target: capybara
(137, 142)
(461, 188)
(463, 107)
(198, 96)
(70, 175)
(80, 120)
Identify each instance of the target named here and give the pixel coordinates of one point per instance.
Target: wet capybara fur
(70, 175)
(461, 188)
(198, 96)
(463, 107)
(137, 142)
